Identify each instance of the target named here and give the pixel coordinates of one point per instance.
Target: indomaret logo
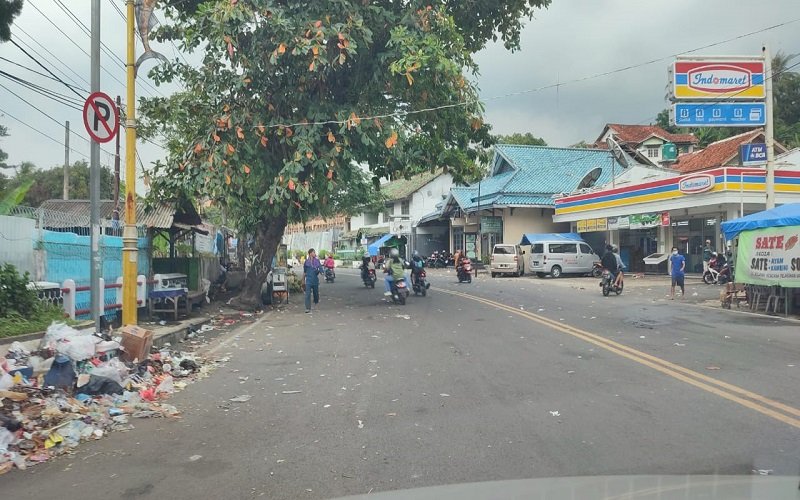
(719, 78)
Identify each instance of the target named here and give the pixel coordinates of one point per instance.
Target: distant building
(645, 142)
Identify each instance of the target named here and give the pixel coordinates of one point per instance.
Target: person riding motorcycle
(620, 266)
(393, 269)
(366, 266)
(609, 261)
(329, 264)
(417, 265)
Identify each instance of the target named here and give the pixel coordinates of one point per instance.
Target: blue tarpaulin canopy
(531, 238)
(784, 215)
(375, 247)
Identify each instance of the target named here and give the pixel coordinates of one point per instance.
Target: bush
(15, 297)
(15, 324)
(298, 254)
(323, 253)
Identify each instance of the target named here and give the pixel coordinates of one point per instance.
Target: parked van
(559, 257)
(507, 259)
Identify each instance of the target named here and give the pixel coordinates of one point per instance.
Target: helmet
(615, 249)
(394, 252)
(416, 253)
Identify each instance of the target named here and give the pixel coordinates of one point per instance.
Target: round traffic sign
(101, 117)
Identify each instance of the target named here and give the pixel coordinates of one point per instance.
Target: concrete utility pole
(130, 253)
(769, 130)
(66, 161)
(94, 179)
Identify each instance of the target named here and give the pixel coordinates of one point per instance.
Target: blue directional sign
(753, 154)
(729, 114)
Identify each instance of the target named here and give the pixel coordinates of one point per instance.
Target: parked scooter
(419, 284)
(399, 291)
(719, 271)
(607, 284)
(464, 271)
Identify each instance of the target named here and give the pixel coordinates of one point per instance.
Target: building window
(458, 239)
(653, 151)
(390, 209)
(370, 218)
(405, 207)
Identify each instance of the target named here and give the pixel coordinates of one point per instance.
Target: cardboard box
(136, 343)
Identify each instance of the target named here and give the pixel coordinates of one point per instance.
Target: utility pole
(130, 254)
(66, 161)
(94, 178)
(769, 129)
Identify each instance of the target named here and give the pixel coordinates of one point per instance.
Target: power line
(43, 66)
(6, 113)
(55, 79)
(68, 101)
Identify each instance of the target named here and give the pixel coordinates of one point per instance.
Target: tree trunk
(268, 235)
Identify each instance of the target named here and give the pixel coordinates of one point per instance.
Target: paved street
(499, 379)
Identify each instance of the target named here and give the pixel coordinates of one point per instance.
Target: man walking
(311, 270)
(708, 250)
(678, 264)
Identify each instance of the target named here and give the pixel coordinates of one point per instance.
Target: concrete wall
(518, 221)
(18, 239)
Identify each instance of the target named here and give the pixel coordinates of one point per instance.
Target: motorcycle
(597, 269)
(399, 291)
(329, 275)
(465, 271)
(418, 284)
(369, 278)
(607, 284)
(717, 273)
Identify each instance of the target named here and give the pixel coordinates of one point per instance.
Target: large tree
(292, 98)
(9, 9)
(526, 139)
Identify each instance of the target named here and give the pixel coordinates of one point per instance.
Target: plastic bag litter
(79, 347)
(6, 381)
(61, 373)
(113, 369)
(100, 385)
(57, 332)
(166, 385)
(39, 364)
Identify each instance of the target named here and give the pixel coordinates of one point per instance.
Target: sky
(571, 40)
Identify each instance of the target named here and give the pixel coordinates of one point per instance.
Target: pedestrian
(708, 250)
(678, 265)
(311, 270)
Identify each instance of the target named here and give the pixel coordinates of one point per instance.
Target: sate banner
(769, 256)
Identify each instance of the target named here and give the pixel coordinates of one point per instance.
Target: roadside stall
(768, 257)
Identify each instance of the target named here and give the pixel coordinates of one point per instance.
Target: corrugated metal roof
(76, 213)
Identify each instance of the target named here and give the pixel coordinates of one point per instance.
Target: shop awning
(374, 247)
(784, 215)
(531, 238)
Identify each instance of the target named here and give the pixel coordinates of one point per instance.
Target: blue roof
(784, 215)
(531, 238)
(531, 175)
(375, 246)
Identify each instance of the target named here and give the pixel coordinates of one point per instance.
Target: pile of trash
(78, 386)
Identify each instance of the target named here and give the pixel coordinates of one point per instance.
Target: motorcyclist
(330, 264)
(393, 269)
(609, 261)
(620, 267)
(417, 265)
(366, 266)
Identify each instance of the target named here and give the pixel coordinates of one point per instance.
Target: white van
(559, 257)
(507, 259)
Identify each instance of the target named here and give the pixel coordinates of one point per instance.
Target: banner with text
(769, 257)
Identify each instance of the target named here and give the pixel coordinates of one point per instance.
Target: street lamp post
(130, 253)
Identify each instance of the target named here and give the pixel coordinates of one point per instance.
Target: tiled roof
(715, 154)
(636, 134)
(403, 188)
(537, 173)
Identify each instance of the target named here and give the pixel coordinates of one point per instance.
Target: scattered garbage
(244, 398)
(78, 386)
(555, 413)
(291, 392)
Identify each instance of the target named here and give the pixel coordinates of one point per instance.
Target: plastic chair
(777, 298)
(758, 295)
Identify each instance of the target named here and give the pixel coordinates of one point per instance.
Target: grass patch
(14, 324)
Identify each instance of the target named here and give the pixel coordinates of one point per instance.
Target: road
(499, 379)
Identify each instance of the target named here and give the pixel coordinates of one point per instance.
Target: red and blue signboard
(718, 79)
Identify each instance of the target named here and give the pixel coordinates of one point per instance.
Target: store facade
(646, 219)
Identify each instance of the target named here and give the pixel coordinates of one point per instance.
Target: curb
(38, 335)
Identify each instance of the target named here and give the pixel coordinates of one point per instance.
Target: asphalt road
(498, 379)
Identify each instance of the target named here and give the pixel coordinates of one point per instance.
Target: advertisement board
(718, 78)
(719, 114)
(769, 256)
(641, 221)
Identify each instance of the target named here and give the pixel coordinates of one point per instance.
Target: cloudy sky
(571, 40)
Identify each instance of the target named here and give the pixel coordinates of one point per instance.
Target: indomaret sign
(718, 79)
